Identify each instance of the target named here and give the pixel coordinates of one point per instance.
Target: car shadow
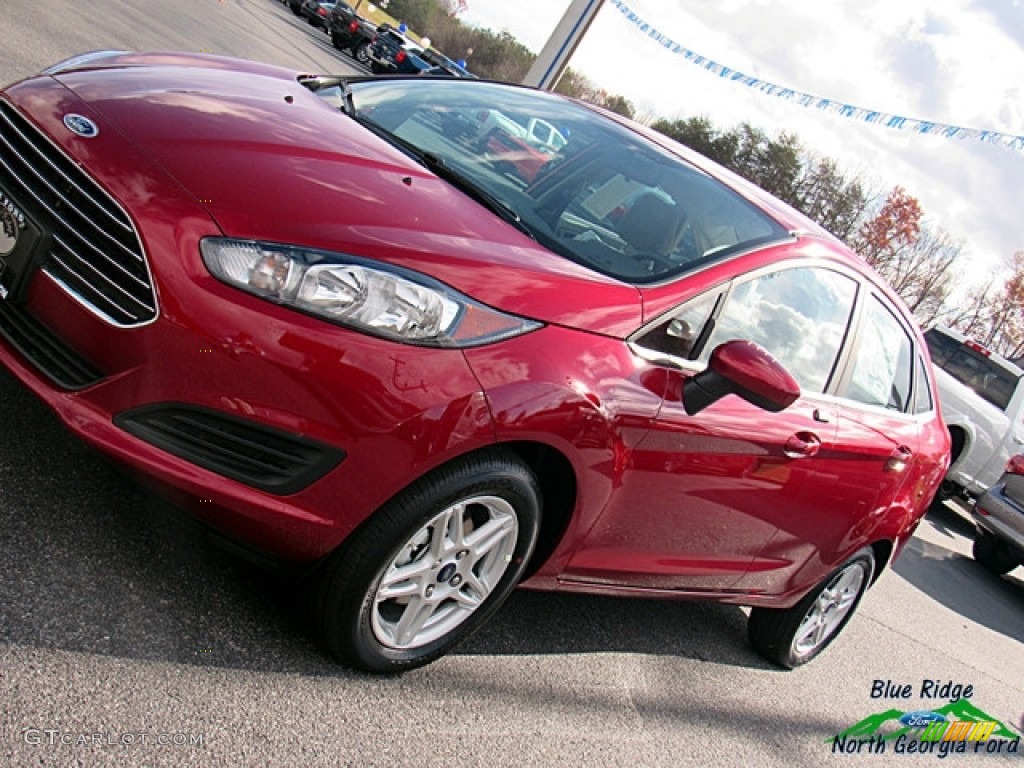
(947, 518)
(958, 582)
(537, 623)
(90, 562)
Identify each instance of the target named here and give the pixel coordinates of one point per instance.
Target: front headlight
(368, 296)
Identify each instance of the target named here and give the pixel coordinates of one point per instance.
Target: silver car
(999, 515)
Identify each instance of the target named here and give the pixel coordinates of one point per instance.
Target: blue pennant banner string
(924, 127)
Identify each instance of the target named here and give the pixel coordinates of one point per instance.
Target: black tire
(993, 554)
(412, 583)
(336, 41)
(361, 53)
(781, 636)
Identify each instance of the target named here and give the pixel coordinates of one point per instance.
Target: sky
(957, 62)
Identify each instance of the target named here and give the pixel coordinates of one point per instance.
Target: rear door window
(882, 368)
(922, 392)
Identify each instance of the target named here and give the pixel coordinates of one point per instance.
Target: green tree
(828, 197)
(700, 135)
(578, 86)
(772, 164)
(619, 105)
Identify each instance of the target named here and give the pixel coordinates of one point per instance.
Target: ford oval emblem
(81, 126)
(921, 718)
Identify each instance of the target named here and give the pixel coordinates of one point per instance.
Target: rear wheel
(431, 566)
(992, 554)
(794, 636)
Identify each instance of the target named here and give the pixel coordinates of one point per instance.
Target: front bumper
(216, 390)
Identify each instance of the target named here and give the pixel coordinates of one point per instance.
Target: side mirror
(745, 369)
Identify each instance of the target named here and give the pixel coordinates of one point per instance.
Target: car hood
(269, 160)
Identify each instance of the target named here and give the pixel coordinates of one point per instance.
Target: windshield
(582, 185)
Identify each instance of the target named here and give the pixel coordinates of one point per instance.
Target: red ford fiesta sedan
(324, 320)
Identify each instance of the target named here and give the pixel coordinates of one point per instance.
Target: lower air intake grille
(251, 453)
(54, 359)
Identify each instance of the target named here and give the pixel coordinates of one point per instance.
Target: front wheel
(794, 636)
(361, 53)
(431, 566)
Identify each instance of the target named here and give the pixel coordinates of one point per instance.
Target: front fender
(586, 396)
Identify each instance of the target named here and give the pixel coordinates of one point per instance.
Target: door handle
(802, 445)
(899, 459)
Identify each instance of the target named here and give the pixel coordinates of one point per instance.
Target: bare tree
(995, 316)
(927, 273)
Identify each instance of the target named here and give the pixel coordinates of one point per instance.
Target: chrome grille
(94, 251)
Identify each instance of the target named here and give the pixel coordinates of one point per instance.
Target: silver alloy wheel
(827, 612)
(444, 572)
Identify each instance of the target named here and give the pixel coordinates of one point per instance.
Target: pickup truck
(534, 131)
(350, 32)
(478, 126)
(981, 396)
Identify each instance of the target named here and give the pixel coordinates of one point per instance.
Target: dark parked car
(316, 13)
(370, 356)
(391, 52)
(350, 32)
(999, 517)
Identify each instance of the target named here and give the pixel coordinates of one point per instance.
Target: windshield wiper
(317, 83)
(440, 167)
